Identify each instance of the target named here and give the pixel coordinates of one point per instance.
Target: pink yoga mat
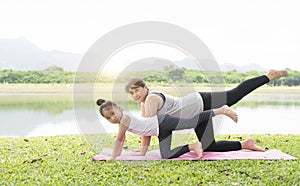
(230, 155)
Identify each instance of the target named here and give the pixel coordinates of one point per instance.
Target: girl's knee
(165, 155)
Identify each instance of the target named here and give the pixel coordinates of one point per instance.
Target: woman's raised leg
(217, 99)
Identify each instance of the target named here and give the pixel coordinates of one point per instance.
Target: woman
(163, 129)
(153, 103)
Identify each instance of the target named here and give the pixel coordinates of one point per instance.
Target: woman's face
(112, 114)
(139, 94)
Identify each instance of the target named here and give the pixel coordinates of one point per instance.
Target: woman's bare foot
(250, 144)
(275, 74)
(196, 147)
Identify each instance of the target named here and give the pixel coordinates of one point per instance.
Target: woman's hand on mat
(136, 150)
(137, 153)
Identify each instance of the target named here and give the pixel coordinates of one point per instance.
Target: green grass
(67, 160)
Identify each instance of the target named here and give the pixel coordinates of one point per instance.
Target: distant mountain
(21, 54)
(188, 64)
(150, 63)
(153, 63)
(227, 67)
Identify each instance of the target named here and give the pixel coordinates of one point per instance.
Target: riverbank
(107, 88)
(67, 160)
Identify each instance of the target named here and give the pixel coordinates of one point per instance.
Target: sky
(265, 32)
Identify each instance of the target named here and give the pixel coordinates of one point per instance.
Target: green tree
(176, 74)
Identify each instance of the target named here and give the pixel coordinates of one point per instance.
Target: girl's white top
(142, 126)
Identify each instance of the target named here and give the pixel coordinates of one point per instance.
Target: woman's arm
(152, 104)
(143, 109)
(145, 144)
(144, 148)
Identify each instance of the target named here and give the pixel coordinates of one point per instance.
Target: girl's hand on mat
(111, 158)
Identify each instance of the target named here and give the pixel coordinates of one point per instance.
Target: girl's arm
(152, 105)
(121, 147)
(118, 146)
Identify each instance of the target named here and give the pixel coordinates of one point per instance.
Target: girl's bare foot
(250, 144)
(196, 147)
(227, 111)
(275, 74)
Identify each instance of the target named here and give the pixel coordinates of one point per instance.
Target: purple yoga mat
(230, 155)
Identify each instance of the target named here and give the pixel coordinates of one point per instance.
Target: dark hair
(134, 83)
(103, 104)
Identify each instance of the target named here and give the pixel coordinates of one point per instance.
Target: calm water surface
(53, 114)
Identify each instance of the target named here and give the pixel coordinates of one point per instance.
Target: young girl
(162, 129)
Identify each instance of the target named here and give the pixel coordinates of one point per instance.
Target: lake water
(53, 114)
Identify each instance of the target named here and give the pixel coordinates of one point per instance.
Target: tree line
(57, 75)
(51, 74)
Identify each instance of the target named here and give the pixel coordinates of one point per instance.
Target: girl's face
(139, 94)
(112, 114)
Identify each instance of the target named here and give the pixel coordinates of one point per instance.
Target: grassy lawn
(67, 160)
